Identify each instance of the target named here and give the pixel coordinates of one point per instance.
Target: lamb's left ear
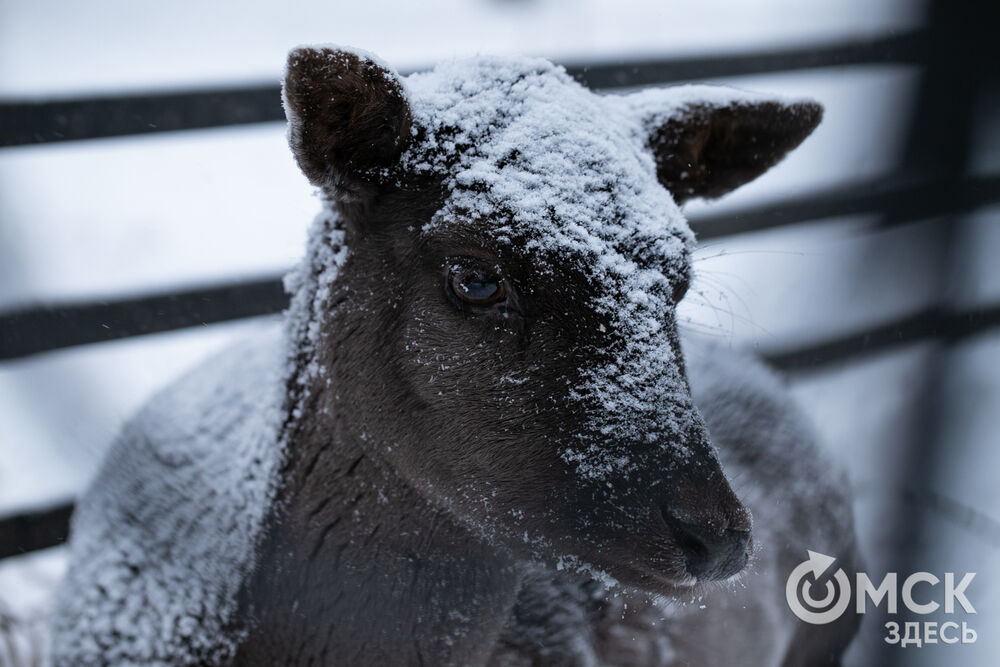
(708, 141)
(348, 118)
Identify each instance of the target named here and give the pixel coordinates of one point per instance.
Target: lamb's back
(161, 539)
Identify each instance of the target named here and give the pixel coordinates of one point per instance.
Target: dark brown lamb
(477, 439)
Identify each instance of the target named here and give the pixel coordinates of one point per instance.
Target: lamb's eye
(476, 287)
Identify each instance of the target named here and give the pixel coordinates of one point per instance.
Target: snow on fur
(166, 532)
(309, 284)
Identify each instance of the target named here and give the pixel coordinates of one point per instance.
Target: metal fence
(954, 52)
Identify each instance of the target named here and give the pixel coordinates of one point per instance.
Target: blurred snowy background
(114, 217)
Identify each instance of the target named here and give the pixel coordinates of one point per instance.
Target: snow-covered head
(502, 328)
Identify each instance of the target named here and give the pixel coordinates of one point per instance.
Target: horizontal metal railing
(38, 329)
(35, 529)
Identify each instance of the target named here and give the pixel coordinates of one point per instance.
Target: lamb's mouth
(679, 556)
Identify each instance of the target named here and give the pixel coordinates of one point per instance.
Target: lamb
(478, 437)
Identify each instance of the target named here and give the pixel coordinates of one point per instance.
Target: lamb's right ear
(709, 140)
(348, 119)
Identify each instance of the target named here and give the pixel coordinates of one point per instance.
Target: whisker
(736, 253)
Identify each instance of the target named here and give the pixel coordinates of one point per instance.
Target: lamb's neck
(360, 568)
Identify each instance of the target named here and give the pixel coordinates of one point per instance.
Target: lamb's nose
(710, 554)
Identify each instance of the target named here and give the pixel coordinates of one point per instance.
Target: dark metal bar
(898, 201)
(933, 324)
(32, 122)
(36, 122)
(33, 330)
(979, 523)
(906, 48)
(34, 530)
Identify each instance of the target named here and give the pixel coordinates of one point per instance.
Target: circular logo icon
(814, 603)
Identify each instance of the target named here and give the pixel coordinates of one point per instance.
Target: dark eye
(476, 286)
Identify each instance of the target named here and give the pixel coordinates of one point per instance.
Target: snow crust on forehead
(537, 161)
(541, 158)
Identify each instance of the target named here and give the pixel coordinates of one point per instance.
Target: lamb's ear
(348, 119)
(708, 141)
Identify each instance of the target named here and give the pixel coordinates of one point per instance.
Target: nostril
(694, 548)
(709, 553)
